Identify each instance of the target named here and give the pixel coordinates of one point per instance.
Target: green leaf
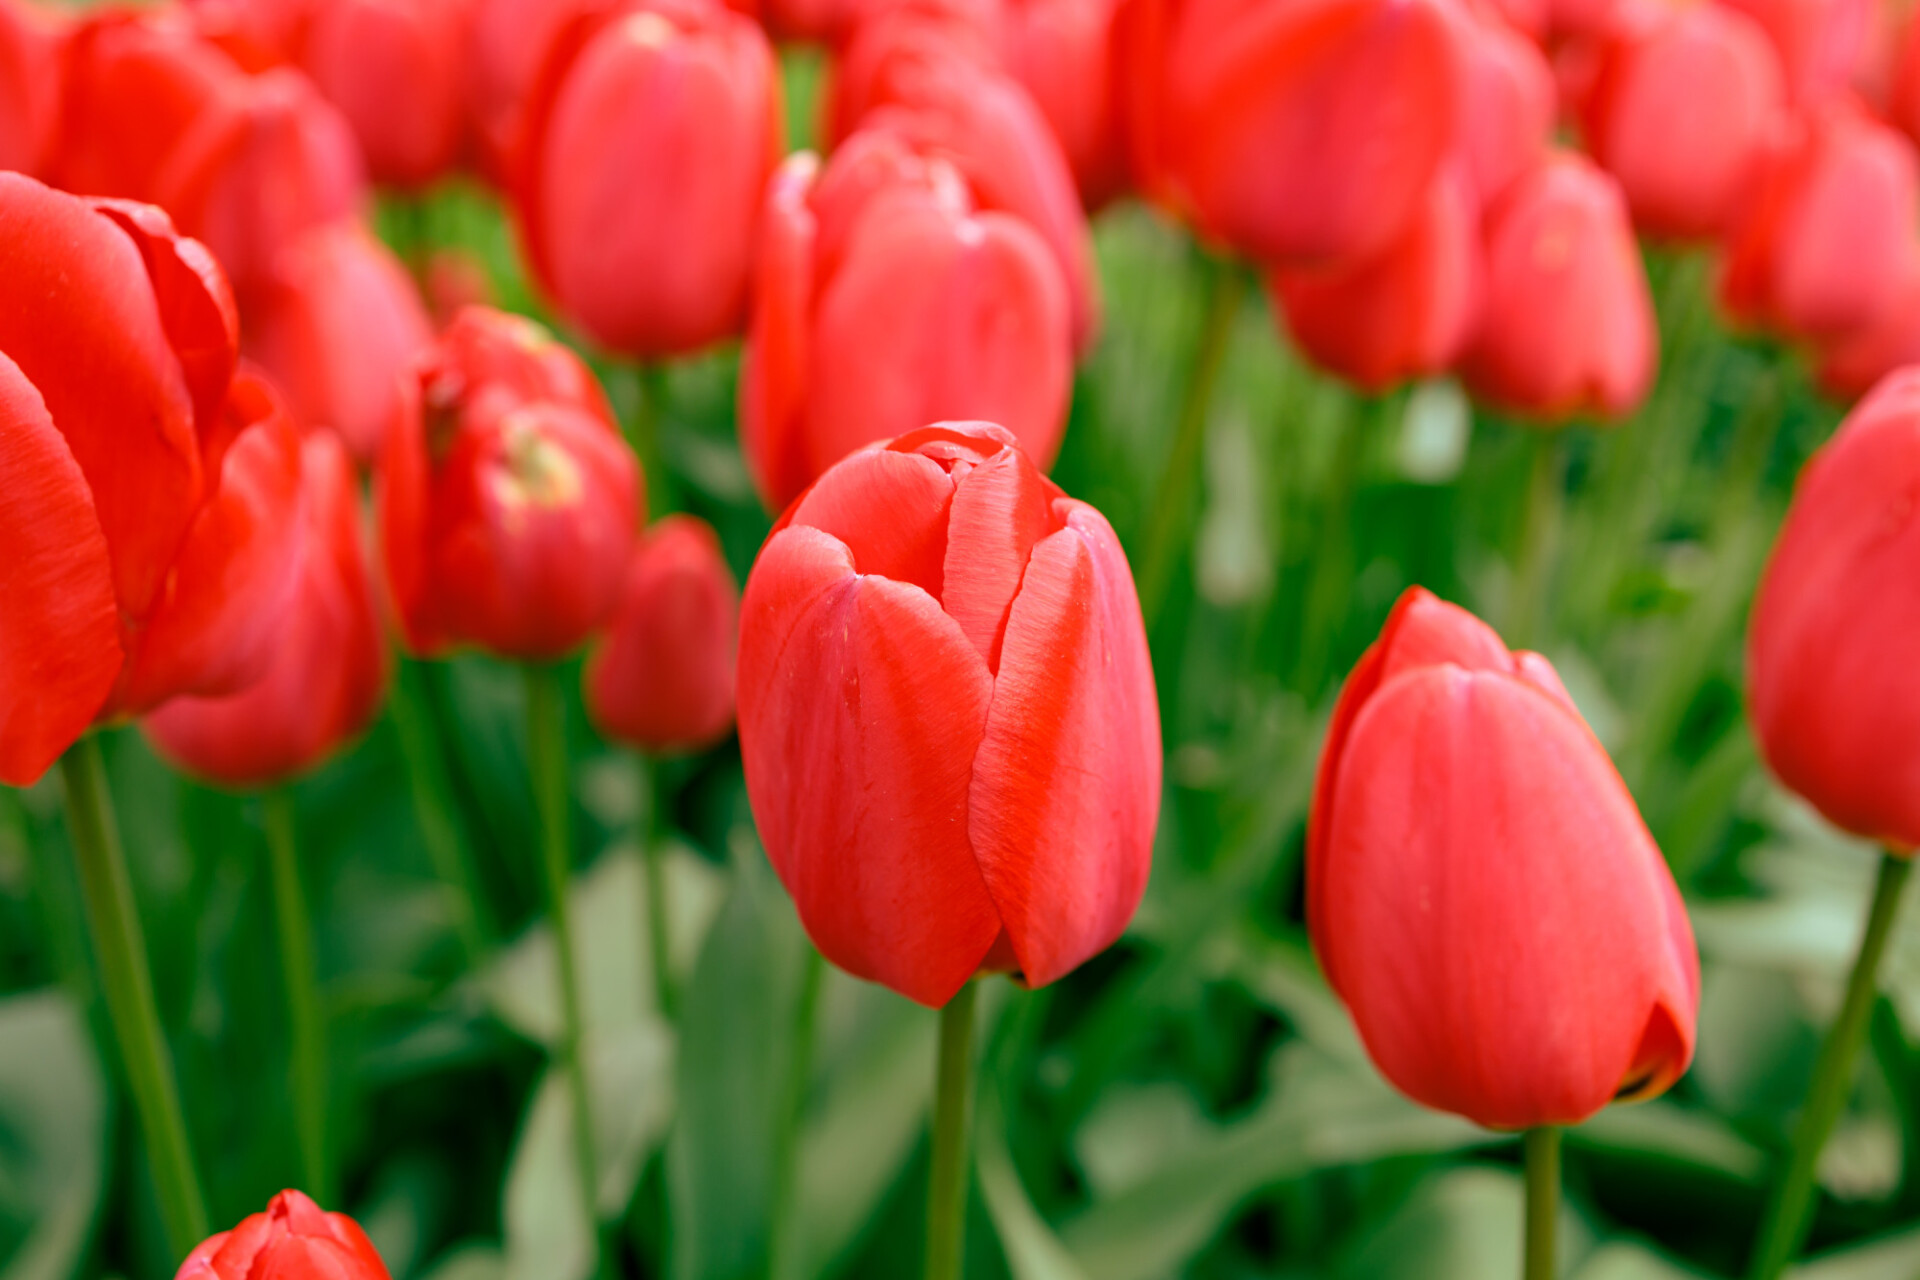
(1032, 1250)
(1619, 1260)
(52, 1137)
(1668, 1130)
(1891, 1255)
(474, 1260)
(1464, 1224)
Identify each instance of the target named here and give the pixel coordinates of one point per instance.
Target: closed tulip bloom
(1683, 106)
(32, 77)
(883, 301)
(1293, 131)
(337, 327)
(1567, 324)
(329, 653)
(1853, 363)
(1821, 43)
(662, 679)
(293, 1240)
(507, 499)
(393, 68)
(1507, 102)
(1062, 52)
(507, 43)
(147, 514)
(1826, 240)
(648, 142)
(947, 716)
(1481, 889)
(1404, 313)
(1831, 680)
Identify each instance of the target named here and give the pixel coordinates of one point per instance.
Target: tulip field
(967, 639)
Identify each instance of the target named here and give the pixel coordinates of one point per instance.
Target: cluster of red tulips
(946, 707)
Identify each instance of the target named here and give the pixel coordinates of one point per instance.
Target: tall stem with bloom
(1788, 1217)
(1542, 1148)
(308, 1070)
(127, 983)
(952, 1120)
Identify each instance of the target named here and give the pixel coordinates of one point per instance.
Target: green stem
(307, 1072)
(653, 864)
(547, 761)
(1789, 1215)
(646, 418)
(783, 1256)
(1539, 539)
(1173, 500)
(952, 1105)
(127, 983)
(1542, 1147)
(433, 810)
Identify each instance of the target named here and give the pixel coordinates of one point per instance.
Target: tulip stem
(783, 1254)
(127, 982)
(952, 1108)
(547, 761)
(1789, 1216)
(646, 417)
(653, 864)
(1161, 546)
(307, 1072)
(433, 811)
(1542, 1147)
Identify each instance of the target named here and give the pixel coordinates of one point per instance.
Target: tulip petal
(1000, 510)
(846, 677)
(891, 511)
(59, 632)
(1066, 786)
(773, 370)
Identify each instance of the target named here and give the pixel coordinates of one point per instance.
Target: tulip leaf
(1032, 1249)
(1897, 1254)
(471, 1261)
(1464, 1224)
(52, 1137)
(1621, 1260)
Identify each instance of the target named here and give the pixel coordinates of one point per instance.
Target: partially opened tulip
(394, 69)
(885, 300)
(1481, 890)
(1567, 324)
(293, 1240)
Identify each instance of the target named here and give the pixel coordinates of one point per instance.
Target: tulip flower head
(32, 76)
(1831, 677)
(293, 1240)
(947, 716)
(393, 68)
(1481, 890)
(1507, 102)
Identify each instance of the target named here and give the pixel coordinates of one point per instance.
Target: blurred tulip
(394, 69)
(882, 301)
(453, 280)
(947, 716)
(1404, 313)
(1831, 679)
(1820, 42)
(1684, 104)
(337, 328)
(662, 680)
(1567, 325)
(1853, 363)
(257, 34)
(507, 500)
(329, 654)
(1903, 82)
(1294, 131)
(1506, 104)
(32, 78)
(148, 523)
(1482, 891)
(507, 43)
(648, 142)
(1829, 234)
(293, 1240)
(1062, 51)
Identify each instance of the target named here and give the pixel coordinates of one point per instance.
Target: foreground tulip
(663, 678)
(1567, 325)
(1481, 890)
(507, 499)
(683, 96)
(884, 301)
(393, 68)
(293, 1240)
(1292, 132)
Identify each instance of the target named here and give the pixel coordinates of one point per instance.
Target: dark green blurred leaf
(52, 1138)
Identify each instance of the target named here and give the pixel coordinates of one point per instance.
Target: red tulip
(1854, 363)
(508, 42)
(1482, 891)
(1567, 325)
(1903, 81)
(329, 653)
(648, 142)
(1684, 103)
(337, 327)
(1507, 102)
(1061, 50)
(883, 300)
(1820, 42)
(1295, 131)
(147, 513)
(293, 1240)
(1828, 236)
(947, 716)
(32, 66)
(1831, 679)
(1404, 313)
(453, 280)
(507, 499)
(393, 68)
(257, 34)
(663, 678)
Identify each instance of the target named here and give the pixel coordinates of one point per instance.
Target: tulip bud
(1854, 363)
(393, 69)
(1567, 325)
(1683, 105)
(338, 327)
(1820, 42)
(507, 43)
(680, 98)
(507, 499)
(1294, 131)
(293, 1240)
(662, 680)
(1507, 102)
(947, 716)
(329, 654)
(1404, 313)
(1830, 652)
(32, 75)
(1481, 890)
(884, 300)
(1826, 239)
